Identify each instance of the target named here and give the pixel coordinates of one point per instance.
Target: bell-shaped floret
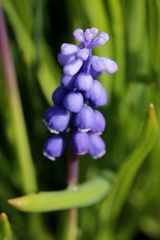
(54, 147)
(73, 101)
(79, 142)
(58, 95)
(72, 67)
(101, 101)
(99, 123)
(96, 95)
(83, 81)
(84, 118)
(68, 81)
(97, 146)
(56, 118)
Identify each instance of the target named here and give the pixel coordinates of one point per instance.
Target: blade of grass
(112, 207)
(132, 165)
(16, 113)
(117, 23)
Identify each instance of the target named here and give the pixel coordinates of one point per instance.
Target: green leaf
(86, 194)
(131, 166)
(23, 38)
(5, 228)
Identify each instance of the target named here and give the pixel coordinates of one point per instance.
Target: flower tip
(48, 156)
(79, 35)
(52, 130)
(99, 155)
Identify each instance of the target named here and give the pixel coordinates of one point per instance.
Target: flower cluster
(75, 101)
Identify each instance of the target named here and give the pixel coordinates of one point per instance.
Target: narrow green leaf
(154, 33)
(5, 228)
(132, 165)
(85, 195)
(23, 38)
(117, 22)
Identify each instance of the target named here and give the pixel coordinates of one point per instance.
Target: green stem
(19, 133)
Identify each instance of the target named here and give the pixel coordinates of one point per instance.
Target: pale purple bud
(90, 34)
(68, 81)
(84, 118)
(73, 67)
(68, 49)
(100, 64)
(110, 65)
(99, 123)
(56, 119)
(62, 59)
(73, 102)
(101, 39)
(83, 81)
(83, 54)
(97, 146)
(79, 143)
(54, 147)
(58, 95)
(79, 35)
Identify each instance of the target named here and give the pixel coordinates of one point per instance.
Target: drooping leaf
(84, 195)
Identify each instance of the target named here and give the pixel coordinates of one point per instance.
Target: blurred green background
(36, 30)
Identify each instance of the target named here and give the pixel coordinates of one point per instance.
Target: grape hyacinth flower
(74, 114)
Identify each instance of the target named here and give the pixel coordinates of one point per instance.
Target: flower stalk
(72, 214)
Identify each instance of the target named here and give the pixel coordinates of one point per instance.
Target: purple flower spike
(80, 143)
(58, 95)
(84, 119)
(68, 49)
(78, 96)
(83, 82)
(96, 146)
(72, 67)
(99, 123)
(79, 35)
(73, 102)
(54, 147)
(56, 119)
(68, 81)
